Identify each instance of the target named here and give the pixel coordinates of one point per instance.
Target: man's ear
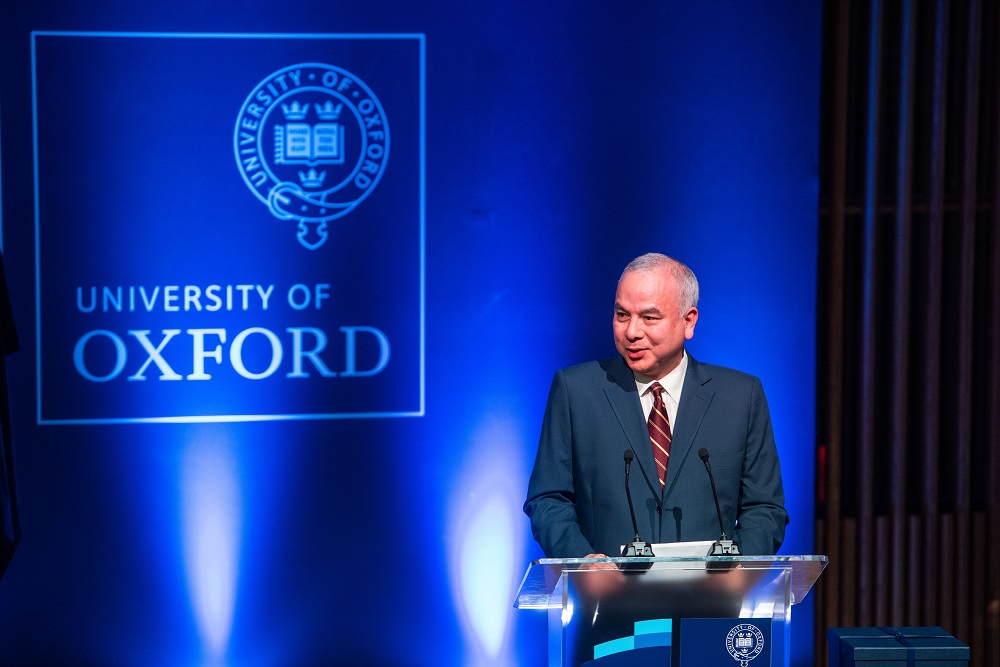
(690, 319)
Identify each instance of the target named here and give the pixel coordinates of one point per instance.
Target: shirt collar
(672, 383)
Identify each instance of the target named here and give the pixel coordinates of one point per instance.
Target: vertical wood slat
(831, 600)
(978, 574)
(899, 431)
(867, 390)
(992, 431)
(932, 346)
(883, 581)
(916, 553)
(944, 615)
(849, 592)
(964, 345)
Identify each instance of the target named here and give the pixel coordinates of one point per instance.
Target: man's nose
(634, 329)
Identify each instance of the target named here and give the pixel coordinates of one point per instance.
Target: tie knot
(657, 389)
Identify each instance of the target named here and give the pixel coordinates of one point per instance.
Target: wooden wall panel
(908, 507)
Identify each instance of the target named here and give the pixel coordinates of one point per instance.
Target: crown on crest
(311, 179)
(328, 111)
(295, 111)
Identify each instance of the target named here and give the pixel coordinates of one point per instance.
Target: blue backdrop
(368, 517)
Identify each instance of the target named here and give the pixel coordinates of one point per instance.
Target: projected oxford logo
(311, 142)
(323, 318)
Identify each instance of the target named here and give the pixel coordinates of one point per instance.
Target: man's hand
(598, 566)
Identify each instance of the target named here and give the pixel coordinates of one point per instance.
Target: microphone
(722, 546)
(638, 548)
(654, 492)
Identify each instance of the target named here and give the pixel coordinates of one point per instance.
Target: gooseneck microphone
(629, 455)
(723, 546)
(638, 548)
(652, 491)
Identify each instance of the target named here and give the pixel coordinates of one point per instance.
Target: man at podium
(657, 401)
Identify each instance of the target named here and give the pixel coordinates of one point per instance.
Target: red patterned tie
(659, 432)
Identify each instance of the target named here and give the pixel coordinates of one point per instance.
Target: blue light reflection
(211, 526)
(486, 540)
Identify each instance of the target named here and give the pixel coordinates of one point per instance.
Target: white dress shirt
(672, 385)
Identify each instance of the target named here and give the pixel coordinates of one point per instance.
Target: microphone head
(629, 456)
(703, 454)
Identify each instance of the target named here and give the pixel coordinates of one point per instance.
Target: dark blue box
(895, 647)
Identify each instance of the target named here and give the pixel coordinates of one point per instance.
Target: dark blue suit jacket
(576, 494)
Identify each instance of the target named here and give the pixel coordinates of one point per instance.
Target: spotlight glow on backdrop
(485, 540)
(211, 526)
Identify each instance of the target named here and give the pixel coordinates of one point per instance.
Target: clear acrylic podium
(690, 611)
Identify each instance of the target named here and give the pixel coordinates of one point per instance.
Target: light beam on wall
(211, 523)
(484, 540)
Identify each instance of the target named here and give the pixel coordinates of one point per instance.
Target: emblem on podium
(744, 643)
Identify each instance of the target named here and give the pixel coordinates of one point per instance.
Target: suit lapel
(695, 399)
(624, 399)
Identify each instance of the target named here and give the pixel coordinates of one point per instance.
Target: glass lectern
(673, 611)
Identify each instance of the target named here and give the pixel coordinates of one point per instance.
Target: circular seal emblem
(311, 142)
(744, 643)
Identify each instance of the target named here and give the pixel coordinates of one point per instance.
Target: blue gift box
(895, 647)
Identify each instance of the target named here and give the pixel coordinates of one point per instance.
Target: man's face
(649, 327)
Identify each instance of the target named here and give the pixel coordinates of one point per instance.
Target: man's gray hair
(686, 280)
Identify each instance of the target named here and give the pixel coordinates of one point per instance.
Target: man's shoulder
(703, 373)
(593, 370)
